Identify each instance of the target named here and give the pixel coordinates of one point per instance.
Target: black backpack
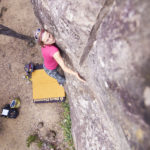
(12, 112)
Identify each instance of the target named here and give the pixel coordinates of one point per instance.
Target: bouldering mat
(45, 88)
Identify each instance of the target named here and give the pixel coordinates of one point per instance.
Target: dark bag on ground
(9, 112)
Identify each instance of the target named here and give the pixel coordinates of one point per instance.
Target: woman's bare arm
(60, 61)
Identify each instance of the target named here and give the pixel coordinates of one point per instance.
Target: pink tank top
(47, 52)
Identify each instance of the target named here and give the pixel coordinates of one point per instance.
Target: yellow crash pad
(46, 88)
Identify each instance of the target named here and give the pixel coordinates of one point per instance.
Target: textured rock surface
(107, 41)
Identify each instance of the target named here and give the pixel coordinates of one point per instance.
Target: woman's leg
(54, 73)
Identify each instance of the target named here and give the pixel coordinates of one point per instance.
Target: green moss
(31, 139)
(51, 146)
(34, 138)
(39, 144)
(66, 125)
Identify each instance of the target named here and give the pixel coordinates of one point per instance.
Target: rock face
(107, 42)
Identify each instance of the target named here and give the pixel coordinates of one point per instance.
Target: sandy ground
(14, 54)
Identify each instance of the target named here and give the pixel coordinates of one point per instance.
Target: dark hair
(41, 43)
(40, 38)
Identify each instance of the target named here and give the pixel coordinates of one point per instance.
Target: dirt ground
(14, 54)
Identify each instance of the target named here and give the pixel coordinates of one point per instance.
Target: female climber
(52, 57)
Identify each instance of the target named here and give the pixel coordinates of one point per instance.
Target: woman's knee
(61, 79)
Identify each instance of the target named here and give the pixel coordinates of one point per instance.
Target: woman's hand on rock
(79, 77)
